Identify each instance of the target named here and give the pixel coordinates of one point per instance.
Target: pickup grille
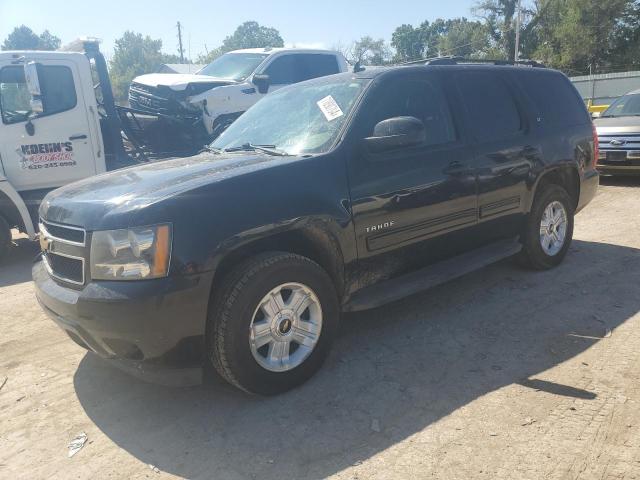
(147, 99)
(65, 233)
(619, 149)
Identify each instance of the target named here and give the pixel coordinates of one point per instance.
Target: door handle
(77, 137)
(456, 168)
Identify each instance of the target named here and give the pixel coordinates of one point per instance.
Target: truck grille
(64, 251)
(619, 149)
(145, 98)
(68, 269)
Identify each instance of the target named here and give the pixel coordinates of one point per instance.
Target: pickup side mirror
(261, 82)
(396, 132)
(33, 86)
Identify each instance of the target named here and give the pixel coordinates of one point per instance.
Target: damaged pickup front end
(169, 119)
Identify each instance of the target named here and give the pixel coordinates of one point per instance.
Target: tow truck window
(56, 83)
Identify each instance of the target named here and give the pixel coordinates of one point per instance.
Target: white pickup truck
(211, 99)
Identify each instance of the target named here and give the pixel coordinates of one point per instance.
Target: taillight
(596, 146)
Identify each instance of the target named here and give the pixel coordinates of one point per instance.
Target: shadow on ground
(406, 365)
(16, 268)
(620, 180)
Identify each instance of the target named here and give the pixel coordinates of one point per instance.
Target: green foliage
(23, 38)
(248, 35)
(368, 51)
(457, 36)
(135, 55)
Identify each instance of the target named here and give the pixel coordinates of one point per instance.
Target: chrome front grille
(64, 251)
(619, 149)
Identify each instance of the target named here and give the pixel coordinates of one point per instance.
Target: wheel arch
(566, 176)
(14, 210)
(310, 241)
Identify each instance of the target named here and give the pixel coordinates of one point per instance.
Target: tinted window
(283, 70)
(420, 98)
(316, 65)
(554, 97)
(490, 106)
(56, 85)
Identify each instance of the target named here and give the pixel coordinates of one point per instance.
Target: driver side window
(56, 83)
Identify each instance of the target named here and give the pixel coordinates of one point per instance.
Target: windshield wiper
(248, 147)
(209, 148)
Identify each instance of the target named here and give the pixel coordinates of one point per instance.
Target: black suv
(337, 194)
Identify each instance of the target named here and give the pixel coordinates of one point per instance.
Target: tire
(242, 316)
(537, 253)
(5, 238)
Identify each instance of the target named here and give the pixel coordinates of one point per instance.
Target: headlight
(131, 254)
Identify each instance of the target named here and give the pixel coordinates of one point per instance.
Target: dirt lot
(502, 374)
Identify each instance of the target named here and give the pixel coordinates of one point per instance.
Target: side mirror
(261, 82)
(396, 132)
(33, 86)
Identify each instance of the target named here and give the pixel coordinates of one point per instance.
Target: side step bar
(428, 277)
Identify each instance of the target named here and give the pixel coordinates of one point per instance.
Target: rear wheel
(5, 238)
(272, 323)
(549, 228)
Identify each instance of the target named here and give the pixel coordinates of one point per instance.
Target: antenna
(180, 43)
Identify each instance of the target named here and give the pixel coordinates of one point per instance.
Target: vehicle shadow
(16, 268)
(620, 180)
(393, 372)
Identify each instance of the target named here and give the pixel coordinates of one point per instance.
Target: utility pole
(180, 43)
(516, 55)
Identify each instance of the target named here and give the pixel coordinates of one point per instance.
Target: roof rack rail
(453, 60)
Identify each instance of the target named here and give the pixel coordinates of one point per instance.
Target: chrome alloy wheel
(553, 228)
(285, 327)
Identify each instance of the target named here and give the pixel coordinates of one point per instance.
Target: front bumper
(608, 169)
(152, 328)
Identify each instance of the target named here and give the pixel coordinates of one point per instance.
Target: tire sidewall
(537, 255)
(248, 373)
(5, 238)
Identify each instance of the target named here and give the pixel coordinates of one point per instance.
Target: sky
(302, 23)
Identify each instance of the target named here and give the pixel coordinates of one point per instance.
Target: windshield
(234, 66)
(627, 105)
(304, 118)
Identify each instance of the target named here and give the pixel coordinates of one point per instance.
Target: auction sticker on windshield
(330, 108)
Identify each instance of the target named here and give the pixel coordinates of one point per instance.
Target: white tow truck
(59, 123)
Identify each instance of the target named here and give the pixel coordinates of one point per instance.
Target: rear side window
(316, 65)
(491, 108)
(56, 84)
(554, 98)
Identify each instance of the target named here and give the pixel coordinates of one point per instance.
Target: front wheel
(272, 322)
(549, 228)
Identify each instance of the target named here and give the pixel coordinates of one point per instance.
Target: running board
(428, 277)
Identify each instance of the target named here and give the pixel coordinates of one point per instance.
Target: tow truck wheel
(272, 322)
(5, 238)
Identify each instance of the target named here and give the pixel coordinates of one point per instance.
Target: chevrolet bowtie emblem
(617, 143)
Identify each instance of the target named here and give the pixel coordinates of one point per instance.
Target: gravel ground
(504, 373)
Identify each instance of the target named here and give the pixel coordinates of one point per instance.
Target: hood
(613, 125)
(112, 198)
(179, 81)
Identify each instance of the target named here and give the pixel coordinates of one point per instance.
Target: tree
(456, 36)
(579, 36)
(23, 38)
(368, 51)
(135, 55)
(248, 35)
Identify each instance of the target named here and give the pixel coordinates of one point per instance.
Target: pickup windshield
(233, 66)
(625, 106)
(303, 118)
